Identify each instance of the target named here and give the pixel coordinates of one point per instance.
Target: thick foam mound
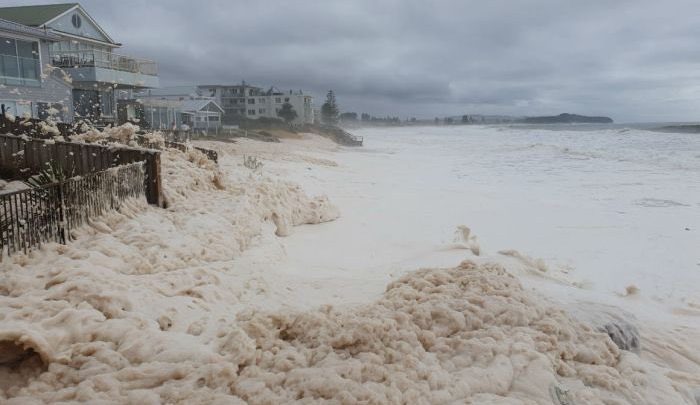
(469, 334)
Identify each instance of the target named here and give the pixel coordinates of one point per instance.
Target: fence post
(154, 186)
(62, 223)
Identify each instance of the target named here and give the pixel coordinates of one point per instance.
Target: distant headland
(354, 120)
(567, 119)
(680, 128)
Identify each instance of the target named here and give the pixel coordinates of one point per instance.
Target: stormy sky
(633, 60)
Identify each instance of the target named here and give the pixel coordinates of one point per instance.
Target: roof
(229, 85)
(199, 104)
(16, 28)
(185, 91)
(274, 91)
(43, 15)
(35, 15)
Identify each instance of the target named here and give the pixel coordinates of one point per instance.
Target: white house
(86, 52)
(25, 89)
(202, 114)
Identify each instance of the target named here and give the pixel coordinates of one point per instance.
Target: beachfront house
(173, 107)
(150, 113)
(241, 101)
(202, 114)
(26, 91)
(86, 52)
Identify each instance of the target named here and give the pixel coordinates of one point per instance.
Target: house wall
(52, 88)
(86, 29)
(233, 99)
(300, 102)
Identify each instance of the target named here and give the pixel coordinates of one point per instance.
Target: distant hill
(567, 119)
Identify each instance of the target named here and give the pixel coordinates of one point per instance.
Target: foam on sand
(468, 334)
(149, 306)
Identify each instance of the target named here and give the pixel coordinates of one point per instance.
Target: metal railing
(108, 60)
(37, 215)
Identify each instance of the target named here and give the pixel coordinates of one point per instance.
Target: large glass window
(19, 62)
(107, 103)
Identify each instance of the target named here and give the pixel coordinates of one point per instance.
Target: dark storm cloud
(634, 60)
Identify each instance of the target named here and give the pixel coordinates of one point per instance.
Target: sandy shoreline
(204, 302)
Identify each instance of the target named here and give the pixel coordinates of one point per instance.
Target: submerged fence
(48, 213)
(183, 147)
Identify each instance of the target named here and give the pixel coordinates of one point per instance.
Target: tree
(365, 117)
(437, 121)
(287, 113)
(329, 109)
(465, 119)
(449, 120)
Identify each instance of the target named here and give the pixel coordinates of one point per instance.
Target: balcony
(107, 67)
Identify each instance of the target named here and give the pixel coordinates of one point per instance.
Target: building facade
(172, 109)
(252, 102)
(26, 89)
(86, 53)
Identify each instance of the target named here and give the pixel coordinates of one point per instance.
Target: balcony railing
(101, 59)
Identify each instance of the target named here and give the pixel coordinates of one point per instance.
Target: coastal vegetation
(329, 109)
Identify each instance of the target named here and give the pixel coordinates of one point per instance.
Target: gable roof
(42, 15)
(35, 15)
(199, 104)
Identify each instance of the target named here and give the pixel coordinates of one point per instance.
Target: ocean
(605, 207)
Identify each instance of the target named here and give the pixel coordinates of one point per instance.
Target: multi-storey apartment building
(86, 52)
(251, 102)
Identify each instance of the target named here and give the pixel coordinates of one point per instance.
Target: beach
(470, 264)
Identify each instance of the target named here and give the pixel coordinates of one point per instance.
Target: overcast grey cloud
(633, 60)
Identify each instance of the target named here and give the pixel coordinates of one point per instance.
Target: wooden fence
(31, 127)
(21, 157)
(210, 154)
(48, 213)
(181, 146)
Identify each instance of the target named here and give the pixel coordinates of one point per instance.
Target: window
(278, 100)
(213, 118)
(46, 110)
(251, 112)
(251, 101)
(76, 20)
(261, 111)
(19, 62)
(10, 107)
(262, 101)
(286, 99)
